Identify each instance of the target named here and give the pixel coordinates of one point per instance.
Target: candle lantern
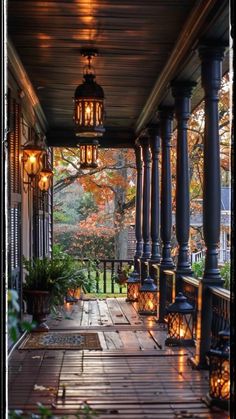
(133, 286)
(88, 154)
(45, 180)
(219, 372)
(147, 299)
(180, 322)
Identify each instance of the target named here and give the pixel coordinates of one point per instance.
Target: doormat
(58, 340)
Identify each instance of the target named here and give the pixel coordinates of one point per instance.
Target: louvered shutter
(14, 177)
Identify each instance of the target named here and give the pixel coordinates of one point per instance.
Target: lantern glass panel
(219, 378)
(32, 161)
(147, 301)
(45, 180)
(133, 291)
(180, 326)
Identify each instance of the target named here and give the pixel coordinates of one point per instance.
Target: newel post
(211, 57)
(144, 142)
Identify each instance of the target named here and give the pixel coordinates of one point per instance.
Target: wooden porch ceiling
(142, 46)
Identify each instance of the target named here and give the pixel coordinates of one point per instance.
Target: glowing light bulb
(32, 159)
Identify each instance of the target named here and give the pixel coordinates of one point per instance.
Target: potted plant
(122, 274)
(46, 284)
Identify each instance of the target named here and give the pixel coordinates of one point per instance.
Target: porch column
(211, 57)
(144, 142)
(154, 132)
(166, 121)
(166, 115)
(138, 209)
(181, 91)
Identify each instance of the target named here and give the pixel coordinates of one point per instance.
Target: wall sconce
(219, 372)
(180, 322)
(32, 159)
(45, 180)
(147, 299)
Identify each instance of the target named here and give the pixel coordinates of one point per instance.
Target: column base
(197, 365)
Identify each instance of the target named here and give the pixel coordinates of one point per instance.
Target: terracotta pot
(75, 293)
(38, 305)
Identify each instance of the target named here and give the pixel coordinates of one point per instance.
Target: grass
(101, 294)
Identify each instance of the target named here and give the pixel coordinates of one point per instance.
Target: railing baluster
(121, 270)
(97, 277)
(104, 277)
(112, 274)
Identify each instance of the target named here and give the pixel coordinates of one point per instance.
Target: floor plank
(134, 376)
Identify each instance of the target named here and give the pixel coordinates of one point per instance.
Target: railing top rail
(220, 292)
(190, 280)
(105, 260)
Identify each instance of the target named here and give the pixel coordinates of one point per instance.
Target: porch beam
(181, 91)
(185, 42)
(112, 138)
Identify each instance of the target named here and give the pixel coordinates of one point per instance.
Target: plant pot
(75, 293)
(38, 305)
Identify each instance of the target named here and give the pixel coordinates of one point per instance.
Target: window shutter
(14, 177)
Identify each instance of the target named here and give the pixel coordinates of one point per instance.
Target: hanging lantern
(88, 154)
(219, 372)
(133, 286)
(180, 322)
(45, 180)
(32, 156)
(89, 98)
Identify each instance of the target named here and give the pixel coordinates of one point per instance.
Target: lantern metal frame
(180, 313)
(148, 289)
(48, 173)
(30, 149)
(219, 372)
(133, 287)
(88, 154)
(89, 102)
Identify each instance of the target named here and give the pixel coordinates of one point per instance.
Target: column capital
(165, 112)
(138, 155)
(182, 88)
(211, 50)
(154, 139)
(144, 141)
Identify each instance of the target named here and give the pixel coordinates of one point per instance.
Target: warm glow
(32, 160)
(45, 180)
(150, 305)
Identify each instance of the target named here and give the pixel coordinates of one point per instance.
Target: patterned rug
(59, 340)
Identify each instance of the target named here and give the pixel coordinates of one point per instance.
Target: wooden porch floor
(134, 376)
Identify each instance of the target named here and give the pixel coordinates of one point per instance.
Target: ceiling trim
(184, 43)
(65, 137)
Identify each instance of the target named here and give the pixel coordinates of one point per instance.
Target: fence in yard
(102, 275)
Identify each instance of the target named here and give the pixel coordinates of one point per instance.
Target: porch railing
(102, 275)
(220, 306)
